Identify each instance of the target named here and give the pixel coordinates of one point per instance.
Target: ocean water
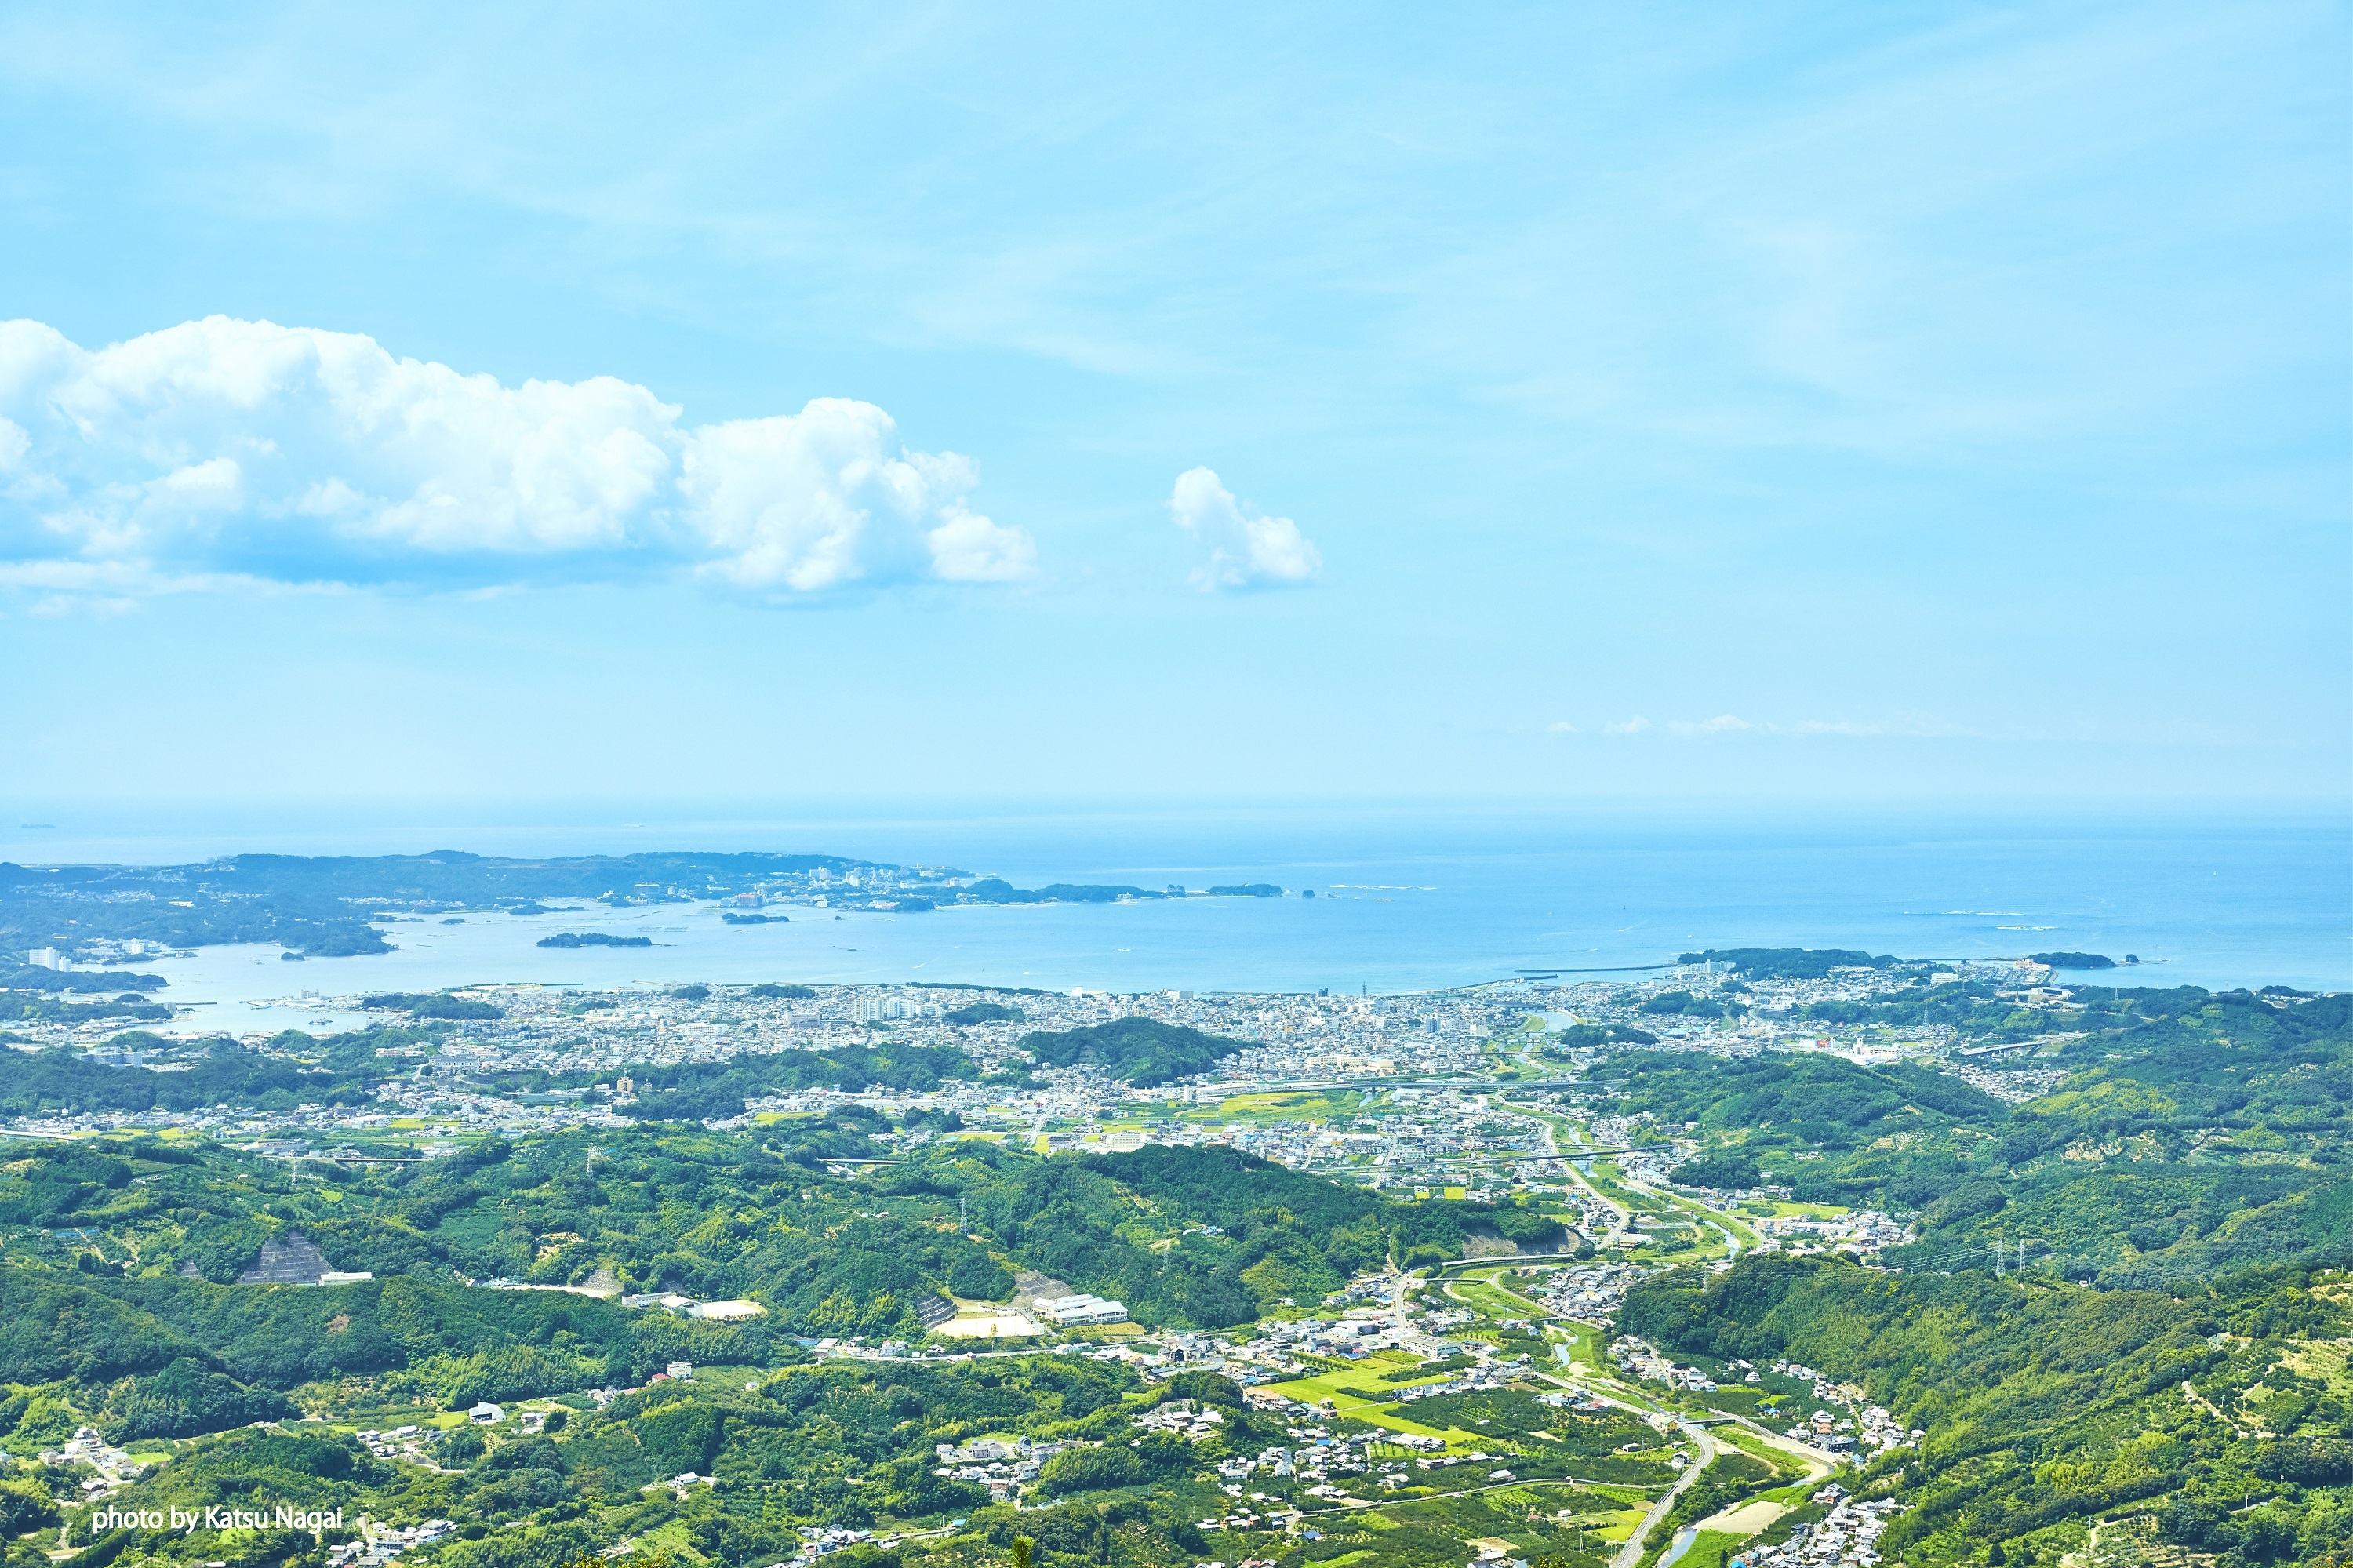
(1407, 899)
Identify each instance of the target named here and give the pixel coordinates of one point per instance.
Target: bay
(1406, 898)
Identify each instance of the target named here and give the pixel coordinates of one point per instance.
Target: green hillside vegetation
(432, 1004)
(295, 1069)
(1285, 1235)
(2188, 1166)
(1139, 1050)
(118, 1310)
(847, 1446)
(996, 890)
(986, 1013)
(1789, 963)
(144, 1276)
(54, 1008)
(18, 977)
(1592, 1034)
(1684, 1002)
(2222, 1411)
(1726, 1170)
(697, 1092)
(2194, 1133)
(1790, 1104)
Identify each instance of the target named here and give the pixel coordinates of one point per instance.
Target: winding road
(1704, 1452)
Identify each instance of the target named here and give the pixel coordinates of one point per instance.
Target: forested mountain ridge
(119, 1310)
(2157, 1137)
(2172, 1166)
(150, 1238)
(2223, 1412)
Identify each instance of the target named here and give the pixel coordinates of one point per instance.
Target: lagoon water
(1406, 900)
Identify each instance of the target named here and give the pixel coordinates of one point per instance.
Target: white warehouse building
(1073, 1312)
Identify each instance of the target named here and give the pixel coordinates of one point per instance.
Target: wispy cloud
(1238, 549)
(1732, 725)
(223, 452)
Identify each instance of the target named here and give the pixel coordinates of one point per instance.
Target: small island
(735, 919)
(2072, 960)
(594, 940)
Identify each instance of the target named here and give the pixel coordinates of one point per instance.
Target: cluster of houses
(384, 1543)
(1002, 1464)
(1865, 1230)
(1182, 1417)
(116, 1468)
(823, 1540)
(1594, 1294)
(1637, 1359)
(1867, 1428)
(408, 1443)
(1849, 1534)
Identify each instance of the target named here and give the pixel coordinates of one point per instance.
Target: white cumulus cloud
(224, 450)
(1240, 550)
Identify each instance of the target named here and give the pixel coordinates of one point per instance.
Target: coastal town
(1424, 1053)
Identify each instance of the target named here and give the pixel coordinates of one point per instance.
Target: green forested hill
(118, 1312)
(1283, 1235)
(144, 1276)
(221, 1072)
(2188, 1133)
(2174, 1168)
(841, 1447)
(2223, 1411)
(1140, 1051)
(1788, 963)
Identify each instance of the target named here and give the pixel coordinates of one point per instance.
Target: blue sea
(1406, 898)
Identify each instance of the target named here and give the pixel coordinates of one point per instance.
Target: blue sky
(1791, 403)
